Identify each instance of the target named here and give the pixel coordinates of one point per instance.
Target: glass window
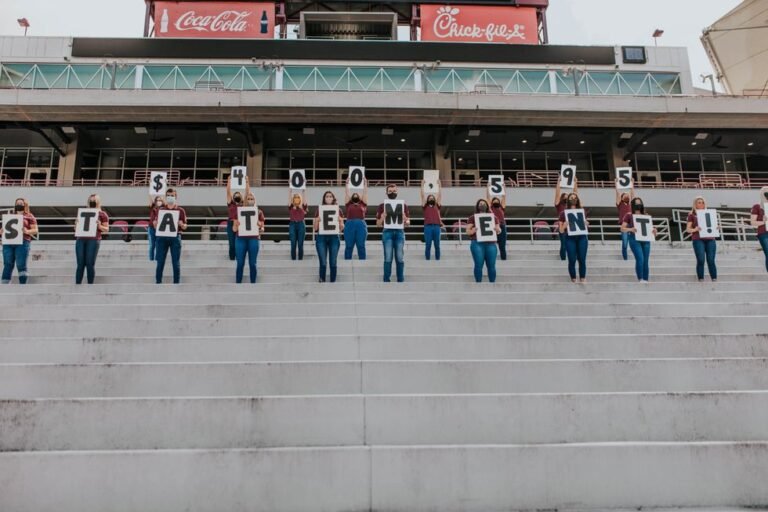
(396, 160)
(303, 159)
(758, 166)
(278, 159)
(40, 158)
(512, 161)
(15, 158)
(349, 157)
(465, 160)
(112, 158)
(669, 165)
(713, 163)
(90, 158)
(582, 161)
(646, 162)
(373, 159)
(327, 159)
(183, 159)
(231, 157)
(136, 159)
(602, 83)
(208, 159)
(535, 161)
(489, 160)
(555, 160)
(691, 165)
(736, 163)
(420, 160)
(159, 159)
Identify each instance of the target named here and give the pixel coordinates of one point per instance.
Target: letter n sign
(486, 227)
(87, 223)
(13, 229)
(576, 220)
(394, 214)
(167, 223)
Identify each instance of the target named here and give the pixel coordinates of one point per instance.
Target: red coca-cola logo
(227, 21)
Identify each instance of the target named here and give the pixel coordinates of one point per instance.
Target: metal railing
(734, 225)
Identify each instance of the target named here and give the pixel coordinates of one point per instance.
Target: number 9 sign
(567, 176)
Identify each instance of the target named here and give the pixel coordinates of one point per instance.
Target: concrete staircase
(437, 394)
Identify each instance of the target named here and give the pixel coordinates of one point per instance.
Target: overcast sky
(583, 22)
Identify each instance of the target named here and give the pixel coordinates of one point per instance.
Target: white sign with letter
(485, 223)
(87, 223)
(167, 223)
(394, 214)
(496, 185)
(248, 221)
(431, 182)
(13, 229)
(298, 179)
(624, 178)
(329, 219)
(239, 177)
(356, 177)
(576, 222)
(567, 176)
(158, 183)
(707, 221)
(644, 226)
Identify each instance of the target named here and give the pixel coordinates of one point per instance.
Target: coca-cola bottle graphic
(164, 22)
(264, 22)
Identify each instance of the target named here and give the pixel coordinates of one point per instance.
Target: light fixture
(140, 130)
(222, 130)
(69, 130)
(693, 143)
(750, 144)
(525, 141)
(474, 133)
(701, 136)
(290, 139)
(107, 138)
(461, 159)
(387, 131)
(399, 158)
(308, 131)
(229, 139)
(466, 140)
(729, 161)
(626, 135)
(514, 159)
(582, 142)
(674, 161)
(402, 140)
(645, 143)
(23, 23)
(548, 134)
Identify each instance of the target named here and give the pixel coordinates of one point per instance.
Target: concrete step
(22, 381)
(396, 478)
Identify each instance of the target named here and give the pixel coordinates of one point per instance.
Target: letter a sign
(168, 223)
(13, 229)
(87, 223)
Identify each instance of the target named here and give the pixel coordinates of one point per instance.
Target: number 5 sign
(567, 176)
(496, 185)
(623, 178)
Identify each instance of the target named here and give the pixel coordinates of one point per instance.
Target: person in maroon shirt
(561, 203)
(327, 244)
(640, 250)
(433, 222)
(393, 238)
(155, 204)
(17, 255)
(355, 228)
(623, 207)
(576, 246)
(499, 209)
(87, 248)
(757, 220)
(233, 201)
(483, 253)
(297, 229)
(166, 243)
(248, 245)
(704, 248)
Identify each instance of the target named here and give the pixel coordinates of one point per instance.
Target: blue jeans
(576, 248)
(251, 247)
(15, 255)
(163, 244)
(327, 251)
(355, 233)
(763, 239)
(432, 236)
(642, 253)
(393, 241)
(484, 253)
(152, 242)
(705, 250)
(502, 240)
(231, 235)
(297, 230)
(563, 236)
(86, 252)
(624, 243)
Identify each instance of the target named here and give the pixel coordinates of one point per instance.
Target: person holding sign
(297, 229)
(433, 222)
(393, 216)
(355, 229)
(623, 207)
(234, 201)
(639, 227)
(757, 220)
(705, 247)
(91, 223)
(574, 224)
(328, 224)
(483, 231)
(17, 253)
(156, 203)
(498, 208)
(249, 225)
(561, 203)
(169, 224)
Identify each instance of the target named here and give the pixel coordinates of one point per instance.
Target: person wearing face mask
(482, 252)
(355, 229)
(433, 222)
(156, 203)
(498, 209)
(164, 244)
(561, 202)
(86, 249)
(393, 239)
(297, 229)
(234, 200)
(575, 246)
(757, 220)
(327, 245)
(17, 255)
(640, 250)
(247, 245)
(704, 248)
(623, 207)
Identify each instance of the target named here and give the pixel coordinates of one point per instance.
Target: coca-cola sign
(479, 24)
(245, 20)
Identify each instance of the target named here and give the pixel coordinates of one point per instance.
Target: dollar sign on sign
(158, 183)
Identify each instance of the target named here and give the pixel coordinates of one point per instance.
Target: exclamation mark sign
(708, 218)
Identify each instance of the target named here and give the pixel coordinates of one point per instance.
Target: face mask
(92, 203)
(766, 196)
(431, 202)
(170, 200)
(572, 202)
(355, 199)
(496, 204)
(250, 202)
(392, 195)
(237, 199)
(19, 207)
(482, 208)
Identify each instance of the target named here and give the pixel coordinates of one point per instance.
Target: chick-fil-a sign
(479, 24)
(214, 19)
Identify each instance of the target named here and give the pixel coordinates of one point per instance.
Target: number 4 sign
(239, 174)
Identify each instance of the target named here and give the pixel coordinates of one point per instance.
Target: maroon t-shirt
(498, 212)
(103, 219)
(758, 210)
(261, 219)
(297, 214)
(153, 215)
(560, 208)
(624, 209)
(29, 222)
(561, 218)
(432, 215)
(694, 220)
(356, 211)
(628, 220)
(380, 211)
(471, 222)
(232, 210)
(182, 215)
